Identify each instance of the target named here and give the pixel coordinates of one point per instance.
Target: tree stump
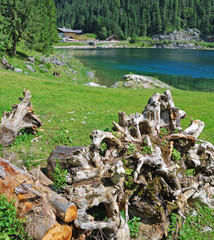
(20, 117)
(142, 170)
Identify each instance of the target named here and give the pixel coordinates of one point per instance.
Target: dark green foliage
(31, 20)
(41, 31)
(176, 156)
(141, 17)
(134, 224)
(14, 20)
(102, 34)
(59, 176)
(10, 226)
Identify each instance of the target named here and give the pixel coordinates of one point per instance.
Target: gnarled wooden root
(20, 117)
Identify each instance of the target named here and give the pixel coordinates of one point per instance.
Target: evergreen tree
(126, 17)
(41, 31)
(103, 33)
(15, 15)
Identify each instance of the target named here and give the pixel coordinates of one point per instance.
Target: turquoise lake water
(183, 69)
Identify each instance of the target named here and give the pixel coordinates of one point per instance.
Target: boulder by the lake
(92, 84)
(90, 74)
(30, 68)
(138, 81)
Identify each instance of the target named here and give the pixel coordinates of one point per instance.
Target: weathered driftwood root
(20, 117)
(141, 170)
(37, 203)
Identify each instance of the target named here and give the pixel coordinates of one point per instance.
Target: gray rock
(18, 70)
(92, 84)
(29, 63)
(45, 60)
(90, 74)
(53, 59)
(7, 65)
(31, 59)
(30, 68)
(138, 81)
(43, 69)
(178, 36)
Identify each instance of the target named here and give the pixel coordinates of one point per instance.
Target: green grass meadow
(70, 112)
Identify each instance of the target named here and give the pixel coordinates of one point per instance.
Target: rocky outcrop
(138, 81)
(179, 36)
(30, 68)
(185, 39)
(180, 45)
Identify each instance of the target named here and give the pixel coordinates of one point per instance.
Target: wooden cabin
(67, 32)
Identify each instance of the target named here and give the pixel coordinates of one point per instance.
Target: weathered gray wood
(20, 117)
(140, 171)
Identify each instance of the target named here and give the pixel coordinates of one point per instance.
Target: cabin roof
(65, 30)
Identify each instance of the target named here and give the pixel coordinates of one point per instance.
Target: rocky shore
(135, 81)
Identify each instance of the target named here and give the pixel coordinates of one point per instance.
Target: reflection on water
(184, 69)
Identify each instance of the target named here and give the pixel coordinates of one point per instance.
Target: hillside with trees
(142, 17)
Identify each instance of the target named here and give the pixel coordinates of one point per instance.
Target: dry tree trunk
(139, 172)
(20, 117)
(37, 203)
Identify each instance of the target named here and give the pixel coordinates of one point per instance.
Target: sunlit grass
(78, 109)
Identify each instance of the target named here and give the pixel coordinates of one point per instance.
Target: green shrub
(134, 39)
(146, 150)
(176, 156)
(133, 223)
(10, 226)
(131, 148)
(59, 176)
(163, 132)
(91, 35)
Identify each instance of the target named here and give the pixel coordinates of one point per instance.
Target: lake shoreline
(125, 46)
(180, 69)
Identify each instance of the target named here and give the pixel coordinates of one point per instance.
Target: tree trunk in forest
(20, 117)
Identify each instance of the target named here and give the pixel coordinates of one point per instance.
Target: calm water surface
(183, 69)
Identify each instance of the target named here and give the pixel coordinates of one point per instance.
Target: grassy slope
(55, 99)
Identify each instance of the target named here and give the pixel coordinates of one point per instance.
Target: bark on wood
(138, 172)
(20, 117)
(37, 203)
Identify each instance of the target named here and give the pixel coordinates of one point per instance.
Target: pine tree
(41, 31)
(15, 15)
